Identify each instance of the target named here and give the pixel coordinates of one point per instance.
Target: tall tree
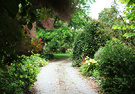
(110, 17)
(79, 19)
(129, 22)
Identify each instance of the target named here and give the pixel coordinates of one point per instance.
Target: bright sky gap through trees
(99, 5)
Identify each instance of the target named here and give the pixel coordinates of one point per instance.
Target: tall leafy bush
(88, 41)
(116, 66)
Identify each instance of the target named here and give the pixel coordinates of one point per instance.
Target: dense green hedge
(117, 67)
(21, 75)
(88, 42)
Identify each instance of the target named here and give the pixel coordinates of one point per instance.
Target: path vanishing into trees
(60, 78)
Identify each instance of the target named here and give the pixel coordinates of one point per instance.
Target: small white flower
(94, 61)
(86, 58)
(87, 61)
(91, 60)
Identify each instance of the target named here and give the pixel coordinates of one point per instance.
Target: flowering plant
(89, 60)
(88, 67)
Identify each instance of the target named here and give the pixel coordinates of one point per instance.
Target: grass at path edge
(61, 55)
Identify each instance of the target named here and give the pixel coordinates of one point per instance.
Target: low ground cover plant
(38, 60)
(89, 69)
(21, 75)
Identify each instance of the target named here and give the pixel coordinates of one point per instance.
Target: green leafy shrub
(88, 42)
(116, 66)
(21, 75)
(88, 67)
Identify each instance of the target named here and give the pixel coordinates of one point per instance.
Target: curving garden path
(60, 78)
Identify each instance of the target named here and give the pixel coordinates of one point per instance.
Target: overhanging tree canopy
(15, 14)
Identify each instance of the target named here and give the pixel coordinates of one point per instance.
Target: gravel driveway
(60, 78)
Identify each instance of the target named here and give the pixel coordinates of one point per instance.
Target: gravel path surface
(60, 78)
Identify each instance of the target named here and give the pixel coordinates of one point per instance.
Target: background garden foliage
(57, 40)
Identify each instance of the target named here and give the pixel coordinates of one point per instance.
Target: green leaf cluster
(21, 75)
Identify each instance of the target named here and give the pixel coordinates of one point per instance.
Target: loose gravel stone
(60, 78)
